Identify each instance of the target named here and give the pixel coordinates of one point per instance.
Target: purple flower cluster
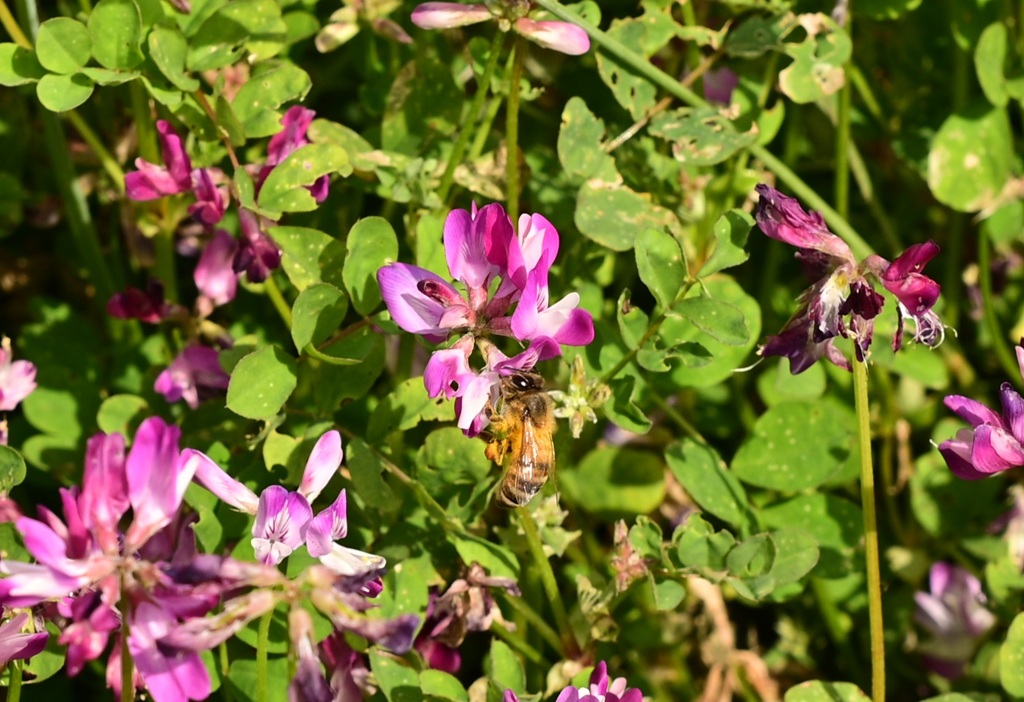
(151, 576)
(953, 612)
(842, 301)
(601, 689)
(995, 441)
(558, 36)
(499, 267)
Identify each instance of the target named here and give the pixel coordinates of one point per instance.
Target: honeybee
(523, 431)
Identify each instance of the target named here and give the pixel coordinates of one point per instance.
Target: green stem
(677, 417)
(12, 27)
(842, 184)
(529, 652)
(76, 209)
(484, 129)
(547, 578)
(867, 494)
(107, 160)
(988, 310)
(277, 299)
(530, 616)
(165, 265)
(14, 686)
(127, 662)
(512, 131)
(483, 88)
(642, 66)
(262, 646)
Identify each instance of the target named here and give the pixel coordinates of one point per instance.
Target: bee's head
(524, 382)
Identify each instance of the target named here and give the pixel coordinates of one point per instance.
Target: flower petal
(782, 218)
(411, 309)
(157, 479)
(973, 412)
(558, 36)
(323, 464)
(445, 15)
(213, 478)
(995, 450)
(214, 275)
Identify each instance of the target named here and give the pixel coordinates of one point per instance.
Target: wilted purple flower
(194, 375)
(147, 305)
(842, 301)
(559, 36)
(601, 689)
(954, 613)
(499, 267)
(257, 253)
(17, 378)
(17, 645)
(719, 83)
(994, 441)
(284, 519)
(295, 123)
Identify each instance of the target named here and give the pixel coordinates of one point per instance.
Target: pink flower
(193, 376)
(17, 378)
(215, 276)
(954, 613)
(257, 254)
(151, 182)
(601, 689)
(171, 674)
(295, 123)
(15, 645)
(284, 519)
(558, 36)
(995, 441)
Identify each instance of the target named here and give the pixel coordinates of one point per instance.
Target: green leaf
(818, 61)
(227, 122)
(335, 384)
(105, 76)
(12, 469)
(796, 554)
(886, 9)
(60, 93)
(504, 667)
(990, 62)
(1011, 658)
(18, 66)
(818, 691)
(243, 676)
(261, 383)
(723, 359)
(616, 482)
(580, 147)
(731, 231)
(258, 102)
(633, 321)
(317, 313)
(702, 548)
(496, 559)
(367, 476)
(752, 557)
(661, 265)
(442, 685)
(118, 412)
(634, 92)
(667, 593)
(236, 26)
(719, 319)
(777, 385)
(370, 244)
(309, 256)
(622, 408)
(612, 214)
(396, 679)
(835, 523)
(115, 28)
(704, 475)
(971, 158)
(423, 103)
(700, 136)
(285, 189)
(758, 34)
(796, 446)
(404, 408)
(63, 45)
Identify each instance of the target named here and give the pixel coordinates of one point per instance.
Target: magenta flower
(954, 613)
(147, 305)
(17, 378)
(214, 275)
(499, 268)
(559, 36)
(16, 645)
(285, 520)
(151, 182)
(257, 254)
(194, 375)
(92, 567)
(296, 122)
(995, 442)
(601, 689)
(842, 301)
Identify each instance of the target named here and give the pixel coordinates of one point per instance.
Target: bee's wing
(536, 457)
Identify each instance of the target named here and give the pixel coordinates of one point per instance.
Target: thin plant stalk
(14, 686)
(277, 299)
(529, 652)
(522, 608)
(262, 669)
(867, 494)
(106, 159)
(1006, 360)
(483, 88)
(547, 578)
(785, 174)
(512, 130)
(127, 663)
